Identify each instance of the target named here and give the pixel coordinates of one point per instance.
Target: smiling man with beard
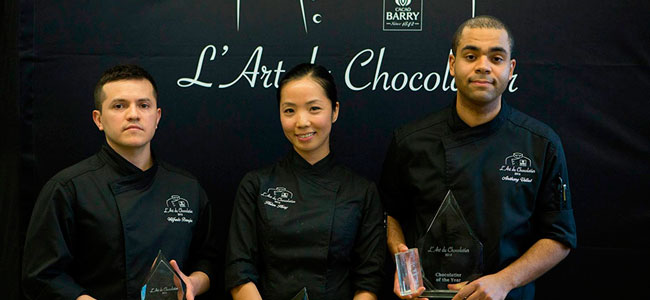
(475, 148)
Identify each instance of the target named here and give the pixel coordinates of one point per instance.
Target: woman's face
(307, 116)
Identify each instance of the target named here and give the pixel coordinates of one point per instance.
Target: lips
(305, 136)
(481, 81)
(132, 127)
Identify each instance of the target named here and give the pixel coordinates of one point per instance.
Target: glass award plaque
(302, 295)
(162, 283)
(409, 273)
(450, 252)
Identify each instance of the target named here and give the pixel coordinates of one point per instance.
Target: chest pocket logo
(178, 210)
(517, 168)
(278, 197)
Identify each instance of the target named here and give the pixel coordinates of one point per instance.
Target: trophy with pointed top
(302, 295)
(449, 251)
(163, 283)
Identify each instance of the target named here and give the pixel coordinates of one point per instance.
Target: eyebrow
(289, 103)
(124, 100)
(493, 49)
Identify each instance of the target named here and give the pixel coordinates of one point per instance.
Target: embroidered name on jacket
(178, 210)
(518, 168)
(279, 197)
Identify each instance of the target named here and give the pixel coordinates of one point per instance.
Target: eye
(498, 59)
(470, 57)
(118, 106)
(145, 105)
(315, 108)
(288, 110)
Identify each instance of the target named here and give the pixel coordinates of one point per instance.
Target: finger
(457, 286)
(419, 292)
(176, 268)
(402, 248)
(464, 292)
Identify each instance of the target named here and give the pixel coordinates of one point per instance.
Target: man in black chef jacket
(98, 225)
(507, 172)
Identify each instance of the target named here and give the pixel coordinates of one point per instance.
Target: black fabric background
(582, 68)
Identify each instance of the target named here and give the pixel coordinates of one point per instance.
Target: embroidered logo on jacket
(178, 210)
(518, 168)
(278, 197)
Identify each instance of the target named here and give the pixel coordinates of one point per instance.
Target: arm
(539, 258)
(369, 247)
(397, 244)
(202, 252)
(364, 295)
(241, 251)
(246, 291)
(47, 253)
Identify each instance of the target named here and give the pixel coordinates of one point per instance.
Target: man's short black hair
(482, 22)
(121, 72)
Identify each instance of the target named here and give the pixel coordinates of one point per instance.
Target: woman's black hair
(316, 72)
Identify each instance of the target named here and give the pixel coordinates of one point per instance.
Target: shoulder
(433, 124)
(533, 126)
(176, 171)
(80, 169)
(351, 178)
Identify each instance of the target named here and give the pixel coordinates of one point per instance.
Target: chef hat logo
(403, 3)
(175, 201)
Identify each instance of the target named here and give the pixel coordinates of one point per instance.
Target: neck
(139, 157)
(312, 158)
(474, 114)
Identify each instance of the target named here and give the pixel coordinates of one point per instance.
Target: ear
(159, 112)
(97, 118)
(513, 63)
(452, 64)
(335, 112)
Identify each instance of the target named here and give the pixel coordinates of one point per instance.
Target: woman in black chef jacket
(306, 221)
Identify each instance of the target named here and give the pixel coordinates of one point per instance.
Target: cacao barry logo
(403, 2)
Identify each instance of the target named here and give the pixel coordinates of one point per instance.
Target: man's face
(482, 66)
(129, 115)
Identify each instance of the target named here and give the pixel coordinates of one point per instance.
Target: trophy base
(438, 294)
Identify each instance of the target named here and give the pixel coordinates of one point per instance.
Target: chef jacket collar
(133, 177)
(321, 166)
(457, 125)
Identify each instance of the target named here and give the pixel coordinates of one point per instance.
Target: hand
(403, 248)
(487, 287)
(190, 290)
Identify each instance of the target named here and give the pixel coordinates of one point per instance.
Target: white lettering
(187, 82)
(363, 64)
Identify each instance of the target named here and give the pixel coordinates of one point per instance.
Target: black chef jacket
(97, 226)
(295, 225)
(507, 176)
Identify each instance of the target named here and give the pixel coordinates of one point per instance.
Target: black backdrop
(582, 68)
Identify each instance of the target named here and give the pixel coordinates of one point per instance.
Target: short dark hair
(482, 22)
(317, 72)
(121, 72)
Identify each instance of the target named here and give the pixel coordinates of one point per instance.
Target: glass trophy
(409, 274)
(163, 283)
(302, 295)
(449, 251)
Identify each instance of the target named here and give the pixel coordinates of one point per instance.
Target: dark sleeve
(203, 249)
(47, 256)
(554, 211)
(390, 182)
(241, 249)
(370, 246)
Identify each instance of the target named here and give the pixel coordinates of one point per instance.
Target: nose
(132, 113)
(303, 120)
(483, 65)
